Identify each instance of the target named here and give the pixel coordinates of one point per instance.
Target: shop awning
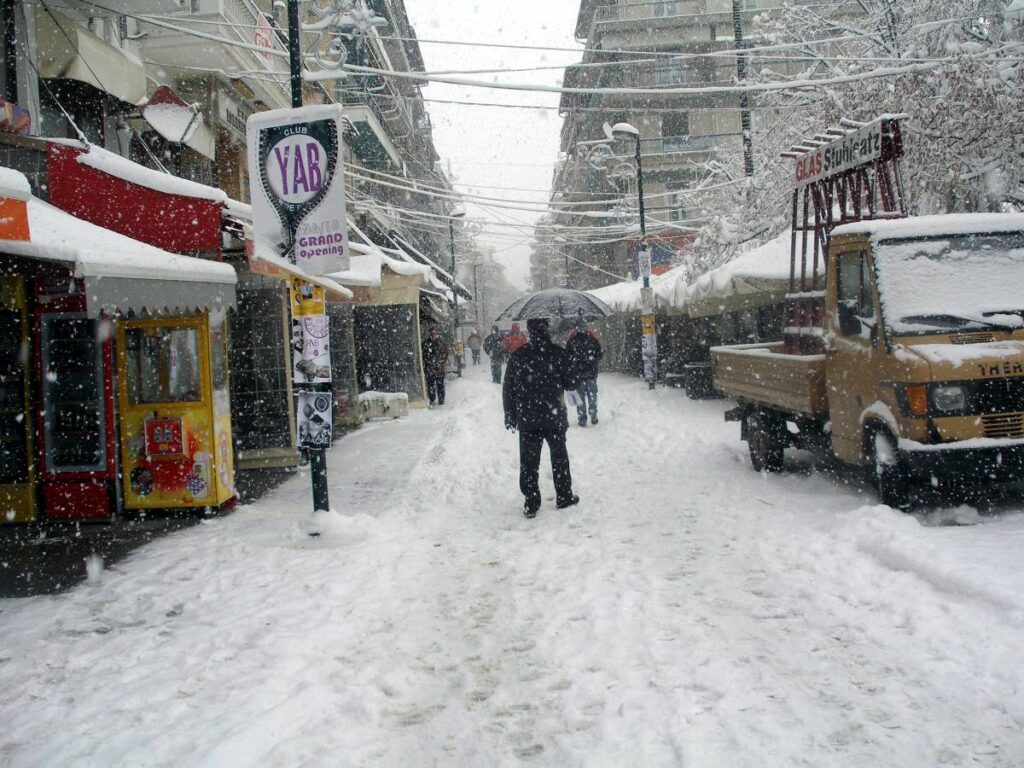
(69, 50)
(179, 122)
(263, 252)
(121, 274)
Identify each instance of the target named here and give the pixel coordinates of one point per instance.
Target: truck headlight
(949, 397)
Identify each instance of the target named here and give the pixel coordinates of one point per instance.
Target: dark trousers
(530, 444)
(496, 370)
(476, 356)
(435, 388)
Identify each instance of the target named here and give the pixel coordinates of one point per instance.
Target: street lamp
(458, 213)
(649, 343)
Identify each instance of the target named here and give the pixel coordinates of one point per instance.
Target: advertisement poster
(297, 185)
(311, 351)
(314, 419)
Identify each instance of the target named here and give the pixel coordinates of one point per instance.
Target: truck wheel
(890, 476)
(766, 441)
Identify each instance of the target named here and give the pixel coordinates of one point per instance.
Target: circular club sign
(295, 168)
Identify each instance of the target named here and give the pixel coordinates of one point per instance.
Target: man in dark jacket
(585, 352)
(435, 358)
(535, 382)
(495, 348)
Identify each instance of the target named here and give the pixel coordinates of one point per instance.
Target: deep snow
(688, 612)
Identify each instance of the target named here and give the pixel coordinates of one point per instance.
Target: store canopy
(70, 51)
(179, 122)
(264, 252)
(121, 274)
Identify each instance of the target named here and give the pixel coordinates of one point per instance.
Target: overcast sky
(490, 147)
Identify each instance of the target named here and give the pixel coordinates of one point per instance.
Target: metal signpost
(298, 201)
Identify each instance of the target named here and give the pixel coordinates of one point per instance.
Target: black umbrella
(555, 303)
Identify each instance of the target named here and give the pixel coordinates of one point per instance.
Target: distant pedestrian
(514, 339)
(494, 346)
(475, 344)
(585, 353)
(533, 396)
(435, 359)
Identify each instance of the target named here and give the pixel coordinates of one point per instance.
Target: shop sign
(232, 113)
(311, 350)
(307, 298)
(164, 438)
(297, 186)
(314, 420)
(263, 36)
(858, 148)
(647, 325)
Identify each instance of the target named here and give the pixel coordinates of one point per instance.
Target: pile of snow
(332, 530)
(14, 184)
(122, 168)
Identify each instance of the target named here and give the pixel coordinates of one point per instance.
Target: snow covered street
(689, 612)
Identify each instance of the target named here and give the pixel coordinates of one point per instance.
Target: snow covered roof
(367, 262)
(125, 169)
(14, 185)
(756, 278)
(265, 252)
(939, 224)
(120, 273)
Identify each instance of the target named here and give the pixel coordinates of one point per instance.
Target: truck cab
(924, 348)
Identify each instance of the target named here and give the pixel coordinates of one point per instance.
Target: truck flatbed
(763, 374)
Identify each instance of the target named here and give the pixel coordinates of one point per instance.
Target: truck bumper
(1001, 462)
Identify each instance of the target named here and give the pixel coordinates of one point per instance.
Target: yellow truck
(918, 372)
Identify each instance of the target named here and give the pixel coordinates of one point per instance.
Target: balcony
(237, 20)
(650, 17)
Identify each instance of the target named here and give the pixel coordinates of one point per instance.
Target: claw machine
(76, 414)
(174, 409)
(17, 465)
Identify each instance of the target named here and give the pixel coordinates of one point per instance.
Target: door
(854, 348)
(77, 449)
(17, 493)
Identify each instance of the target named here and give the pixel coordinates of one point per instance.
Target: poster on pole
(297, 185)
(311, 350)
(314, 419)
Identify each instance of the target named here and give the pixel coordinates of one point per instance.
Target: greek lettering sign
(297, 185)
(862, 146)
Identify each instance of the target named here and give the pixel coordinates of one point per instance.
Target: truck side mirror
(849, 323)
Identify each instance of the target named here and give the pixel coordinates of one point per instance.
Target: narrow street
(689, 612)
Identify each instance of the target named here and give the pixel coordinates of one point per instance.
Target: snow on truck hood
(1007, 354)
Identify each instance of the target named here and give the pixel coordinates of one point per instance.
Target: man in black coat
(495, 348)
(535, 382)
(585, 353)
(435, 358)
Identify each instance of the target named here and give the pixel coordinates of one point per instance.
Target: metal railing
(653, 9)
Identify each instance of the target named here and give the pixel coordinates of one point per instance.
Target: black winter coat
(585, 353)
(435, 356)
(494, 347)
(535, 382)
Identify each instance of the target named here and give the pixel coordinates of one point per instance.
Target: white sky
(496, 146)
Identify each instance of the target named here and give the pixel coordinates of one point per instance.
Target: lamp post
(456, 214)
(649, 343)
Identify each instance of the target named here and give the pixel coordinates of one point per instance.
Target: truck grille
(972, 338)
(1002, 396)
(1005, 425)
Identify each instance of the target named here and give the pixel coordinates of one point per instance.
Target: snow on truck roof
(934, 226)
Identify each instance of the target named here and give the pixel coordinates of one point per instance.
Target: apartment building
(649, 44)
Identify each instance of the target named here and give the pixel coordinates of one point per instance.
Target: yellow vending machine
(17, 467)
(175, 419)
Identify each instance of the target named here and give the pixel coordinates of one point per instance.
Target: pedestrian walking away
(533, 396)
(514, 339)
(494, 346)
(475, 344)
(584, 350)
(435, 359)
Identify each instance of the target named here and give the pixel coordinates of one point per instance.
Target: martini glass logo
(298, 165)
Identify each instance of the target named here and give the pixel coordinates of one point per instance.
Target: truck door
(853, 349)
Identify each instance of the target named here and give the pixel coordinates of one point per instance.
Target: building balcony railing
(653, 9)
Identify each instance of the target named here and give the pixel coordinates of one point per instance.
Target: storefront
(75, 291)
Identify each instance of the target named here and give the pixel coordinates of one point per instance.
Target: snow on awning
(444, 275)
(179, 122)
(70, 51)
(263, 251)
(121, 274)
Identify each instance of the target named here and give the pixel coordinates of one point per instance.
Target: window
(855, 284)
(666, 7)
(163, 365)
(675, 131)
(670, 71)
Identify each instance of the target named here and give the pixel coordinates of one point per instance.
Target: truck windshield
(958, 283)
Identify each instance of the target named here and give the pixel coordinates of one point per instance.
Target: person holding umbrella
(537, 376)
